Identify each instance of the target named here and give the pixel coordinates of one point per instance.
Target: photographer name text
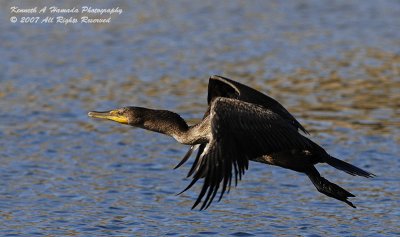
(57, 15)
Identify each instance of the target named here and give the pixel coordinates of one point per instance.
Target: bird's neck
(172, 124)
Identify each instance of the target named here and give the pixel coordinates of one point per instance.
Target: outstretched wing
(219, 86)
(240, 131)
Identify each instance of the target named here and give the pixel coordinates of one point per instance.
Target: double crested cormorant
(240, 125)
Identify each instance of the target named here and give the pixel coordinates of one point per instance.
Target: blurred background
(334, 64)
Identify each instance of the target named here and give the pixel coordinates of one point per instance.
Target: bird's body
(240, 125)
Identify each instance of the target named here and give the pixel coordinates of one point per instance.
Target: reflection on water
(369, 101)
(336, 66)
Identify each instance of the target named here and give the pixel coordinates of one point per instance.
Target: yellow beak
(110, 115)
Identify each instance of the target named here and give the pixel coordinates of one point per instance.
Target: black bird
(240, 125)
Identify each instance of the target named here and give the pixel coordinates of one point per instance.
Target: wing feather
(240, 131)
(219, 86)
(187, 156)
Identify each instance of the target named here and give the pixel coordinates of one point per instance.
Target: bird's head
(133, 116)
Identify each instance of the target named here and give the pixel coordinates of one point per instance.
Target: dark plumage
(240, 125)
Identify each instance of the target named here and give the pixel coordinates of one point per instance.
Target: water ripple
(335, 65)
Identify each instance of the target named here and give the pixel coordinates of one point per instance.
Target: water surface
(334, 64)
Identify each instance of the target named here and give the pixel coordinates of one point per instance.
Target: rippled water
(334, 64)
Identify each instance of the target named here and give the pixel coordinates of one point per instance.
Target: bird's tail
(328, 188)
(348, 168)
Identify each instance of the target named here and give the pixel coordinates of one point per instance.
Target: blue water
(334, 64)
